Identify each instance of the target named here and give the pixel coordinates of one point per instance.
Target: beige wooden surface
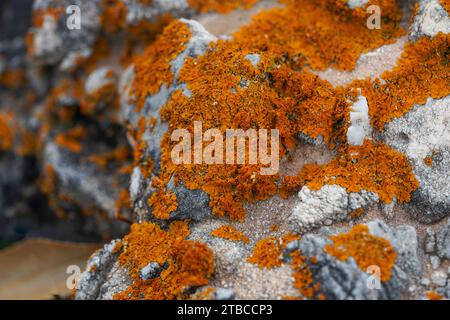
(36, 268)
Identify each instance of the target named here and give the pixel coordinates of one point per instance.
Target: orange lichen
(48, 181)
(366, 249)
(123, 206)
(428, 160)
(372, 167)
(152, 69)
(303, 277)
(6, 133)
(114, 15)
(357, 213)
(221, 6)
(38, 16)
(117, 155)
(446, 5)
(13, 78)
(270, 100)
(144, 32)
(326, 32)
(186, 263)
(227, 92)
(433, 295)
(267, 253)
(72, 139)
(229, 232)
(163, 203)
(420, 73)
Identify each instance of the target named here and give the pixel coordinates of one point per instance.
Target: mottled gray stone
(344, 280)
(422, 132)
(151, 270)
(103, 276)
(192, 204)
(224, 294)
(443, 241)
(430, 19)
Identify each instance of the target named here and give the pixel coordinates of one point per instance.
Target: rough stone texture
(422, 132)
(331, 203)
(194, 203)
(344, 280)
(430, 19)
(422, 263)
(103, 276)
(341, 280)
(54, 42)
(404, 240)
(360, 122)
(443, 241)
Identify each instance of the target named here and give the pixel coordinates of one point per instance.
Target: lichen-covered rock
(194, 203)
(423, 135)
(344, 279)
(332, 203)
(87, 116)
(443, 241)
(52, 42)
(103, 276)
(430, 19)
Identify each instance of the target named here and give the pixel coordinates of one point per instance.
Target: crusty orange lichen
(6, 133)
(366, 249)
(185, 263)
(152, 69)
(420, 73)
(267, 253)
(117, 155)
(269, 100)
(373, 167)
(48, 180)
(357, 213)
(303, 277)
(123, 206)
(326, 32)
(230, 232)
(433, 295)
(221, 6)
(72, 139)
(38, 15)
(446, 5)
(163, 203)
(428, 160)
(13, 78)
(113, 16)
(227, 91)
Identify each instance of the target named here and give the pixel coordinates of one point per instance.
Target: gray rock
(341, 280)
(435, 262)
(330, 203)
(439, 278)
(54, 42)
(430, 19)
(423, 132)
(344, 280)
(430, 241)
(443, 241)
(103, 276)
(404, 240)
(192, 204)
(224, 294)
(150, 271)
